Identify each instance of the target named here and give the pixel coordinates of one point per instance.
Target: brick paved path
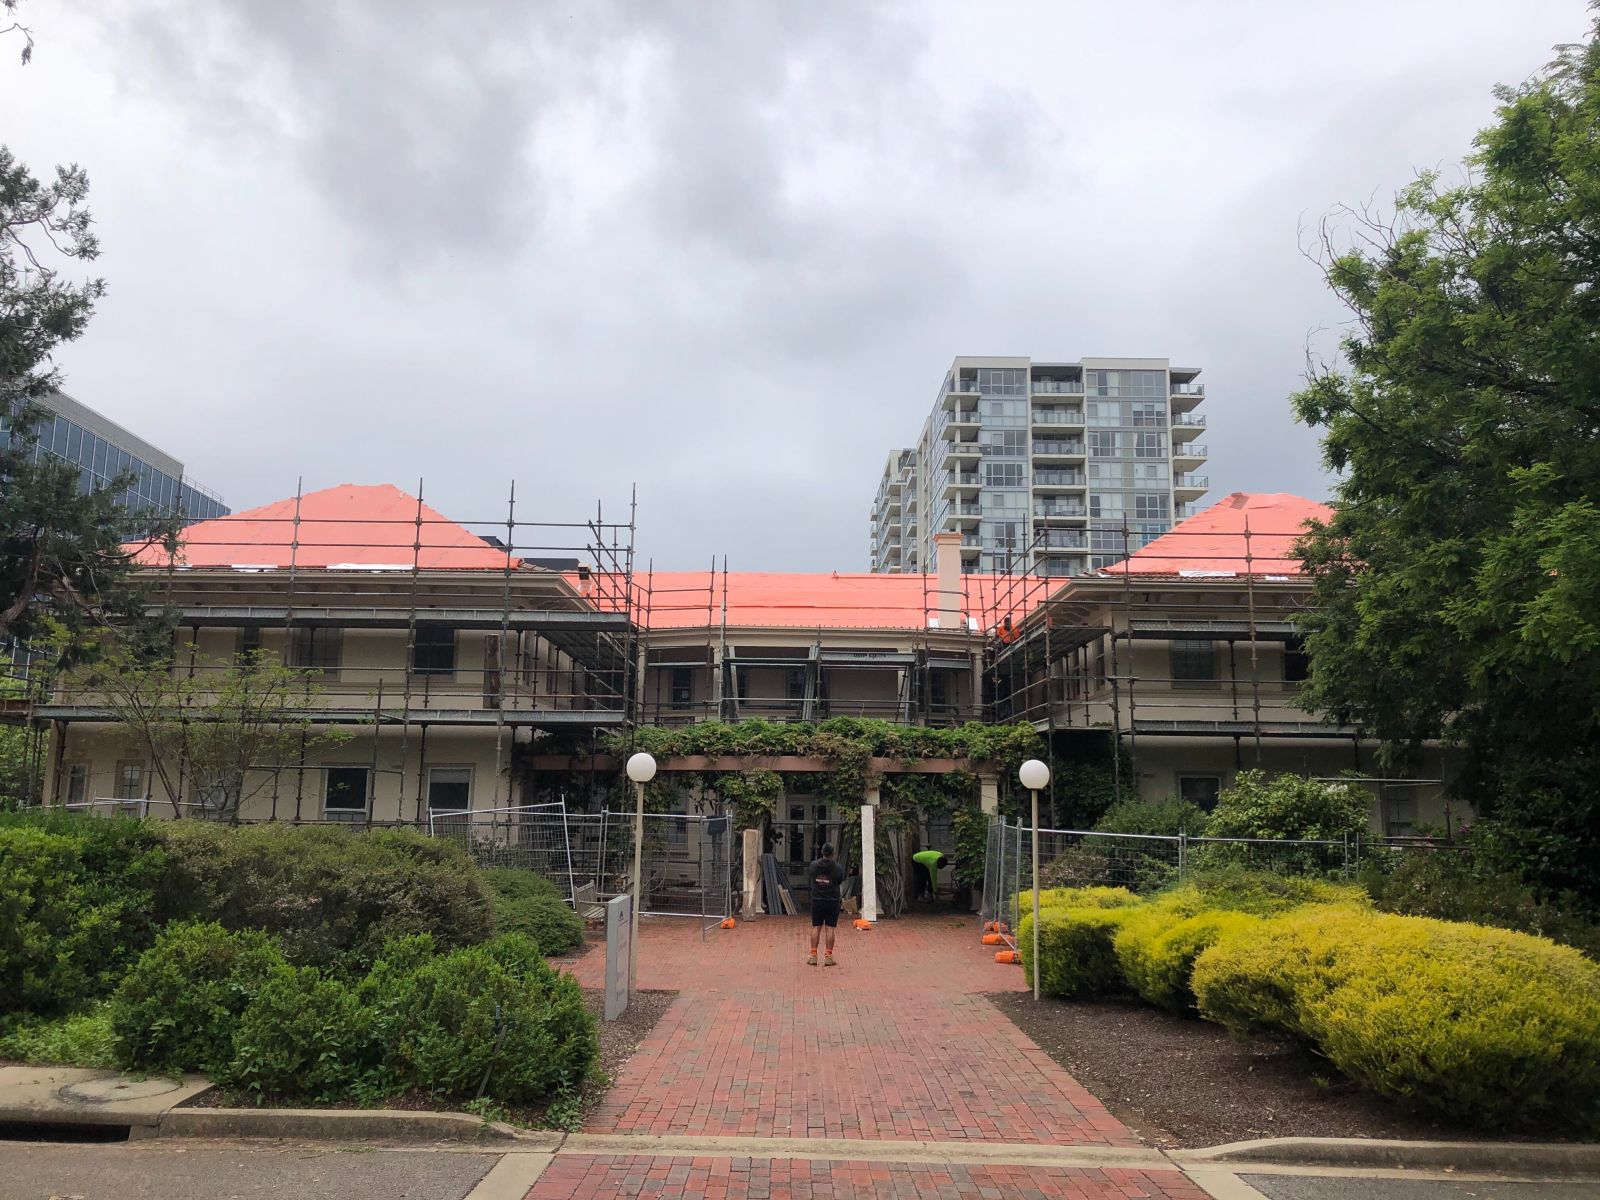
(895, 1043)
(595, 1177)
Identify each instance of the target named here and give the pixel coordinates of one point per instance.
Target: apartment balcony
(955, 389)
(966, 514)
(959, 422)
(965, 450)
(1064, 539)
(1058, 416)
(1057, 449)
(1062, 512)
(1191, 451)
(1057, 387)
(1187, 396)
(1193, 485)
(1058, 479)
(958, 483)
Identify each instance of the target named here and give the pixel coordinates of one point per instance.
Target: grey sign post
(619, 938)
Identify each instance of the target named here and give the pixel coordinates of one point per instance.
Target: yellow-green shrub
(1084, 897)
(1076, 957)
(1156, 949)
(1476, 1024)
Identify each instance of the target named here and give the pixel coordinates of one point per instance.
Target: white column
(869, 855)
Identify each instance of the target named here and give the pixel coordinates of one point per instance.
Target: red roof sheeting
(352, 525)
(1214, 542)
(688, 599)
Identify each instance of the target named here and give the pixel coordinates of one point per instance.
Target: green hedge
(178, 1008)
(527, 903)
(1476, 1024)
(329, 894)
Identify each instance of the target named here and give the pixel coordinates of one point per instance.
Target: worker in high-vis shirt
(930, 861)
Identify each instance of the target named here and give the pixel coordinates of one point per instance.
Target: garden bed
(618, 1041)
(1179, 1082)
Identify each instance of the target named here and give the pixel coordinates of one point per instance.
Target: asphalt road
(159, 1170)
(1317, 1187)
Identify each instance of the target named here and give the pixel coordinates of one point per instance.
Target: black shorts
(825, 912)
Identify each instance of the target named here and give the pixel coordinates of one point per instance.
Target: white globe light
(1034, 775)
(641, 768)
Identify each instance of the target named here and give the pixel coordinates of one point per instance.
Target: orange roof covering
(1213, 542)
(680, 600)
(352, 525)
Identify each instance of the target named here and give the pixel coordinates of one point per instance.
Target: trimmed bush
(1075, 950)
(304, 1037)
(1476, 1024)
(179, 1006)
(466, 1016)
(332, 896)
(1266, 893)
(529, 904)
(1156, 950)
(42, 921)
(1084, 897)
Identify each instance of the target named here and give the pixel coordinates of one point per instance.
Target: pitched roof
(759, 599)
(1213, 542)
(352, 525)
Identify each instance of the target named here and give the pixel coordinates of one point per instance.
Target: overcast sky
(721, 250)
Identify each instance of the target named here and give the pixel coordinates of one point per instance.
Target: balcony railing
(1063, 539)
(1058, 416)
(1184, 389)
(1060, 510)
(969, 510)
(1058, 478)
(1188, 450)
(1057, 387)
(1191, 481)
(1047, 447)
(971, 541)
(1189, 420)
(964, 478)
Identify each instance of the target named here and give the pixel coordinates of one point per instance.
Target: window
(1105, 505)
(434, 652)
(794, 683)
(1296, 663)
(1106, 539)
(1105, 412)
(449, 789)
(1002, 381)
(939, 691)
(1150, 412)
(1004, 443)
(1103, 444)
(1000, 474)
(1150, 445)
(1200, 789)
(218, 792)
(249, 645)
(1399, 811)
(681, 688)
(1194, 662)
(344, 796)
(130, 781)
(316, 649)
(77, 782)
(1150, 506)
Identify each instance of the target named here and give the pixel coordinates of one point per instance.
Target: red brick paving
(895, 1043)
(593, 1177)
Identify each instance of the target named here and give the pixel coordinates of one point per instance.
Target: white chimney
(948, 553)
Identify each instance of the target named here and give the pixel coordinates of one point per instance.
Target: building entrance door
(796, 834)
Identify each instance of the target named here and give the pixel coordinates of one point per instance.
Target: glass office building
(102, 450)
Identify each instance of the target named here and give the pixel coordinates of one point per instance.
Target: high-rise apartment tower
(1055, 467)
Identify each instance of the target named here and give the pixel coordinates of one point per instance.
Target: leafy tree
(1457, 586)
(219, 732)
(61, 549)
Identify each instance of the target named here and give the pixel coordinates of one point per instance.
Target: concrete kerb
(363, 1124)
(1563, 1159)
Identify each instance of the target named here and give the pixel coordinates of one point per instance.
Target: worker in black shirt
(826, 876)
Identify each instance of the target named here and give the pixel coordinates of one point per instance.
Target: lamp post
(1034, 775)
(641, 769)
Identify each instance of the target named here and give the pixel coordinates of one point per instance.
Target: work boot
(812, 961)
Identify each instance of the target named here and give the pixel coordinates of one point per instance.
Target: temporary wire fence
(686, 862)
(1144, 863)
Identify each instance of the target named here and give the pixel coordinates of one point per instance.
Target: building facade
(102, 450)
(1056, 468)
